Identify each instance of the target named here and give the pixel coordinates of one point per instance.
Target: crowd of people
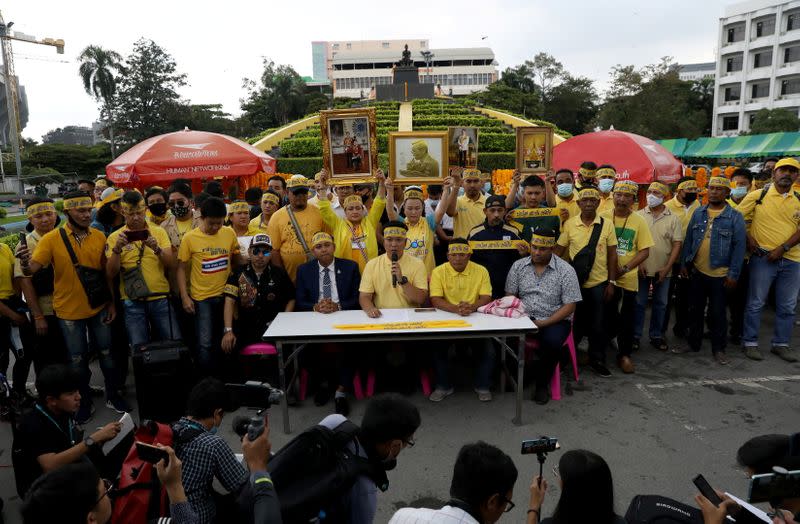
(129, 268)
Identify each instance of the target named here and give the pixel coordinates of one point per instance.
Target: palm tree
(97, 70)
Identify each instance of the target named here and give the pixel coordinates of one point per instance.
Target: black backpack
(583, 261)
(315, 470)
(655, 509)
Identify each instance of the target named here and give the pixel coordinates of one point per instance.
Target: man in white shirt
(480, 492)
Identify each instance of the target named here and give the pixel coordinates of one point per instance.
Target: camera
(252, 394)
(541, 445)
(253, 427)
(777, 486)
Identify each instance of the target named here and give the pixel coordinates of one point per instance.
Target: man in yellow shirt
(466, 210)
(270, 202)
(143, 254)
(392, 280)
(206, 257)
(596, 268)
(290, 247)
(566, 201)
(712, 258)
(606, 176)
(77, 312)
(683, 204)
(775, 258)
(461, 287)
(633, 247)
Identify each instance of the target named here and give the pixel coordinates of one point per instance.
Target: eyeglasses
(509, 505)
(109, 488)
(261, 251)
(409, 442)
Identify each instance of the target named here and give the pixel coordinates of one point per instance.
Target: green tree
(276, 99)
(572, 105)
(501, 96)
(546, 72)
(205, 117)
(97, 70)
(86, 161)
(774, 121)
(148, 85)
(520, 78)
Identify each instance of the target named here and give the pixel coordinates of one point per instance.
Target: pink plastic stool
(358, 390)
(259, 348)
(425, 381)
(532, 345)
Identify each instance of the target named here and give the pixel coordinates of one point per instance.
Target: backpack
(655, 509)
(583, 261)
(315, 470)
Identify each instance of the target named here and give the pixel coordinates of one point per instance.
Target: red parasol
(633, 156)
(187, 154)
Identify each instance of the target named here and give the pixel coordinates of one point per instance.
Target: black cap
(495, 201)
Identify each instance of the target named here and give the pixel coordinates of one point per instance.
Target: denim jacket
(728, 239)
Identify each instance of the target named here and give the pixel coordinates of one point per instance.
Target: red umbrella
(633, 156)
(188, 154)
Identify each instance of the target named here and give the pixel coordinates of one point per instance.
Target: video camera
(772, 487)
(253, 395)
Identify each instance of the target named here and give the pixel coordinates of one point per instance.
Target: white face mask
(654, 200)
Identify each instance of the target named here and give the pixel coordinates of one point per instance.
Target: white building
(758, 63)
(353, 67)
(693, 72)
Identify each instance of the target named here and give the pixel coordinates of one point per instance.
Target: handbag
(92, 280)
(133, 279)
(583, 260)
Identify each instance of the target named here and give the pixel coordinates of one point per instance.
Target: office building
(71, 135)
(694, 72)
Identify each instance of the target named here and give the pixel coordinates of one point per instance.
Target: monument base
(399, 93)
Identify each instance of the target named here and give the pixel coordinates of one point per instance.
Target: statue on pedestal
(406, 60)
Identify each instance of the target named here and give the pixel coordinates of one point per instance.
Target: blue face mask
(460, 191)
(605, 185)
(487, 187)
(564, 190)
(738, 192)
(214, 430)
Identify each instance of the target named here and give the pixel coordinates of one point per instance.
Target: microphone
(394, 275)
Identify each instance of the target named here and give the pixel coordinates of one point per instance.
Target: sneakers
(439, 394)
(118, 404)
(626, 365)
(85, 412)
(721, 358)
(484, 395)
(600, 369)
(753, 353)
(785, 352)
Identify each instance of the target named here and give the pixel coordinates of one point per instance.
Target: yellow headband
(101, 183)
(413, 193)
(719, 181)
(394, 231)
(606, 171)
(688, 184)
(238, 207)
(74, 203)
(321, 237)
(626, 187)
(459, 248)
(269, 197)
(588, 193)
(587, 173)
(470, 174)
(42, 207)
(661, 188)
(541, 241)
(352, 200)
(128, 209)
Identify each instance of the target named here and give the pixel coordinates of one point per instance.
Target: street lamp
(428, 56)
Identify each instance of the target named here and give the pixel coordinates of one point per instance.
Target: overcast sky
(218, 43)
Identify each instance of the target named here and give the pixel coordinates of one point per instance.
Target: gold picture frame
(407, 167)
(534, 149)
(349, 145)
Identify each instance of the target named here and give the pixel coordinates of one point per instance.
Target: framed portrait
(462, 146)
(418, 157)
(534, 149)
(349, 145)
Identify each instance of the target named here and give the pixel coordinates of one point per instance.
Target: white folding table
(300, 329)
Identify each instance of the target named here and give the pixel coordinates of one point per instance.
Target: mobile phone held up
(150, 453)
(706, 490)
(134, 236)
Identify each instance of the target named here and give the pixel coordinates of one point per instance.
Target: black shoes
(600, 369)
(541, 396)
(342, 406)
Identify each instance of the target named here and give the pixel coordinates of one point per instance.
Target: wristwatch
(227, 330)
(403, 281)
(89, 441)
(625, 268)
(785, 247)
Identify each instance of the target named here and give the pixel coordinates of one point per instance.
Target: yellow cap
(790, 162)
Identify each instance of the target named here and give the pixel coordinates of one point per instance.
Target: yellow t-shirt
(702, 260)
(774, 220)
(257, 227)
(575, 235)
(633, 235)
(152, 268)
(419, 243)
(606, 204)
(465, 286)
(45, 302)
(209, 257)
(283, 238)
(69, 298)
(469, 214)
(570, 205)
(684, 212)
(184, 226)
(6, 271)
(377, 279)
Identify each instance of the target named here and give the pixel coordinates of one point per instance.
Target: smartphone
(141, 234)
(150, 453)
(23, 239)
(424, 310)
(706, 489)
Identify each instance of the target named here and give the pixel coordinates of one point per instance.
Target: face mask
(214, 430)
(564, 190)
(605, 185)
(460, 191)
(689, 197)
(654, 200)
(180, 211)
(158, 209)
(487, 187)
(738, 192)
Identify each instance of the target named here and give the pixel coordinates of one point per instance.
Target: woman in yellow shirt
(354, 235)
(270, 202)
(239, 218)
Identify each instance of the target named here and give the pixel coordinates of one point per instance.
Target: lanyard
(623, 226)
(51, 419)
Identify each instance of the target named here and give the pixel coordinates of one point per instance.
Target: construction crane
(12, 88)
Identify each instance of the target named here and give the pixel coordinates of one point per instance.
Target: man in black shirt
(48, 437)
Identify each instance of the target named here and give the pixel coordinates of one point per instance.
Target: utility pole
(12, 88)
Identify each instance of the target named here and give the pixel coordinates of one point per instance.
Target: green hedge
(59, 206)
(490, 161)
(308, 166)
(302, 147)
(456, 120)
(496, 143)
(10, 240)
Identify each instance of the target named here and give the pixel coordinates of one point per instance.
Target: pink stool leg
(572, 355)
(425, 382)
(555, 384)
(371, 383)
(358, 392)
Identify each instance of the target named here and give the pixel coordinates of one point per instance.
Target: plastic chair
(532, 345)
(264, 349)
(358, 390)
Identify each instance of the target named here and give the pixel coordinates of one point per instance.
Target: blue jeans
(75, 338)
(484, 353)
(208, 328)
(657, 311)
(142, 315)
(785, 274)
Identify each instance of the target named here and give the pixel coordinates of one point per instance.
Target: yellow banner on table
(496, 244)
(427, 324)
(534, 212)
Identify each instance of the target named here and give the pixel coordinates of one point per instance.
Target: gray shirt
(543, 294)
